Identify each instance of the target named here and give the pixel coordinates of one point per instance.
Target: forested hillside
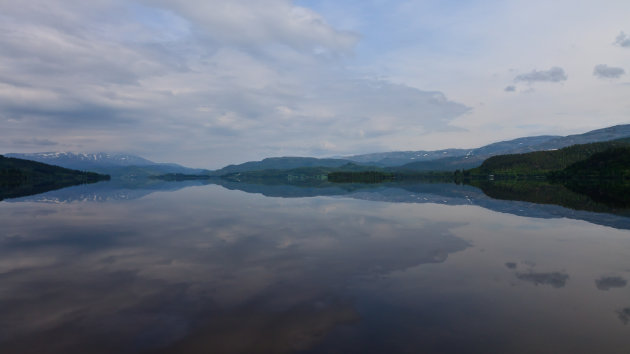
(543, 162)
(23, 177)
(610, 163)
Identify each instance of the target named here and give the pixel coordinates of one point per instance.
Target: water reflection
(529, 199)
(207, 269)
(170, 271)
(607, 283)
(22, 189)
(555, 279)
(511, 265)
(595, 196)
(624, 315)
(105, 191)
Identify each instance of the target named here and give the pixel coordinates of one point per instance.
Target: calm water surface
(205, 269)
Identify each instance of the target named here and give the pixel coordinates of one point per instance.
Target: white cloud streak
(604, 71)
(555, 74)
(622, 40)
(200, 82)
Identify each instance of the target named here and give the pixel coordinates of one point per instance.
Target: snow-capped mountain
(452, 159)
(85, 161)
(124, 166)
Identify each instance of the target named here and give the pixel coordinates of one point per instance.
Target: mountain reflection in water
(607, 205)
(168, 267)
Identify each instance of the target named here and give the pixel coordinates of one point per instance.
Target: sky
(207, 83)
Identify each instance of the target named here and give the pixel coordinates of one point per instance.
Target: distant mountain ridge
(19, 177)
(280, 163)
(398, 158)
(82, 160)
(438, 160)
(519, 146)
(471, 157)
(451, 159)
(125, 165)
(114, 164)
(543, 162)
(594, 136)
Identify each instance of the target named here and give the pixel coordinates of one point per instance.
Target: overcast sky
(211, 82)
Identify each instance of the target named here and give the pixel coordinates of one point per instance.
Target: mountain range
(399, 158)
(487, 197)
(475, 157)
(116, 165)
(437, 160)
(20, 177)
(84, 161)
(125, 165)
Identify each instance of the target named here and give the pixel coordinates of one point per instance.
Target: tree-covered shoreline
(20, 177)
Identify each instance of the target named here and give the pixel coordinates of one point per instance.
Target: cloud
(554, 279)
(510, 88)
(200, 79)
(624, 315)
(604, 71)
(555, 74)
(606, 283)
(622, 40)
(251, 23)
(35, 142)
(167, 291)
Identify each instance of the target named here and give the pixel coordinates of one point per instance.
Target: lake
(204, 268)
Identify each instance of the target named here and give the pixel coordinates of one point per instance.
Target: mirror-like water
(206, 269)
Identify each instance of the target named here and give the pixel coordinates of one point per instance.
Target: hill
(447, 157)
(437, 160)
(544, 162)
(600, 135)
(84, 161)
(20, 177)
(123, 166)
(474, 157)
(613, 163)
(280, 163)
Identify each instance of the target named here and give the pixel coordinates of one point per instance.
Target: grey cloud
(350, 114)
(606, 283)
(511, 265)
(604, 71)
(159, 288)
(555, 74)
(35, 141)
(213, 82)
(510, 89)
(624, 315)
(622, 40)
(250, 23)
(555, 279)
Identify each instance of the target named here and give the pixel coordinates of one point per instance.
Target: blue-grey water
(191, 268)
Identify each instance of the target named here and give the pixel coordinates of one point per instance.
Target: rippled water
(214, 270)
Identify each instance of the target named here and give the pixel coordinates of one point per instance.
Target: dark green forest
(20, 177)
(541, 163)
(613, 163)
(360, 177)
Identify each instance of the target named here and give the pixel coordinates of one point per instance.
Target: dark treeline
(180, 177)
(595, 196)
(611, 164)
(400, 176)
(360, 177)
(543, 163)
(590, 175)
(603, 160)
(20, 177)
(17, 171)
